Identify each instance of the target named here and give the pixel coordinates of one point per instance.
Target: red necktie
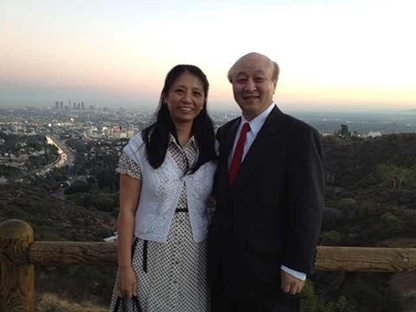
(238, 154)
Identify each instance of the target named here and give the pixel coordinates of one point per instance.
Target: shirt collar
(191, 142)
(257, 122)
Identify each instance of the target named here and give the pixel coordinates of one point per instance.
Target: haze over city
(334, 56)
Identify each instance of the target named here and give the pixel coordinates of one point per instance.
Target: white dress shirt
(255, 126)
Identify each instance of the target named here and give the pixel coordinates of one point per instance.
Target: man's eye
(259, 79)
(241, 80)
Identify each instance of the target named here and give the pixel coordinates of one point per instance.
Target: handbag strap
(117, 304)
(135, 301)
(137, 304)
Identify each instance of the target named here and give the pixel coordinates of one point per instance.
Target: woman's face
(185, 98)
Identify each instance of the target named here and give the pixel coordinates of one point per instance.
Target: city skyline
(342, 55)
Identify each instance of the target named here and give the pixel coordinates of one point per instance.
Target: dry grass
(48, 302)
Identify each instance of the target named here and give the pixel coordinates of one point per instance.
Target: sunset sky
(334, 55)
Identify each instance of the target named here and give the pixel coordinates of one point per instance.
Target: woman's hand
(127, 283)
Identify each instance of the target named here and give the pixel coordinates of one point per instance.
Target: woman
(166, 176)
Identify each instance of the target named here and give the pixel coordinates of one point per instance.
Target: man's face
(253, 86)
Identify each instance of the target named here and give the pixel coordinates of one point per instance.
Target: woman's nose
(187, 97)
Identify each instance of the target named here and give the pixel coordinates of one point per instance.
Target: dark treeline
(370, 201)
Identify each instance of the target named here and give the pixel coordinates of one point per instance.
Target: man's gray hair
(275, 74)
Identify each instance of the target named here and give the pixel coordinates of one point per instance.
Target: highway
(66, 157)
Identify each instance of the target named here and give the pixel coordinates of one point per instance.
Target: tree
(343, 132)
(396, 181)
(394, 176)
(331, 238)
(78, 187)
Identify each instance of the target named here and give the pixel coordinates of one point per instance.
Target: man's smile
(247, 97)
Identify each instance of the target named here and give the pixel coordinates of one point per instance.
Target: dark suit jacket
(271, 215)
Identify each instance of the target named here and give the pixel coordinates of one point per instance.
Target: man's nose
(250, 85)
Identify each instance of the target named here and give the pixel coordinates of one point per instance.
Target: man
(270, 198)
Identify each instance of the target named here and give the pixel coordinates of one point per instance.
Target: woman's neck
(183, 132)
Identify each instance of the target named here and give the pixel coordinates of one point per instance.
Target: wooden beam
(366, 259)
(69, 253)
(354, 259)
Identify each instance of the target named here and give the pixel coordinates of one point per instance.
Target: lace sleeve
(129, 167)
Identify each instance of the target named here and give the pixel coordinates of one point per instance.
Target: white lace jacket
(160, 194)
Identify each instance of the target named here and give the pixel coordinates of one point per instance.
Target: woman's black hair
(156, 136)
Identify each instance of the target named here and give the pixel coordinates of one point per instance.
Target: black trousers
(221, 302)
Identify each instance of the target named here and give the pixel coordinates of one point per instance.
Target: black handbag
(125, 304)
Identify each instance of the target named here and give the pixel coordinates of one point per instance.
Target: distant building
(130, 134)
(3, 180)
(374, 134)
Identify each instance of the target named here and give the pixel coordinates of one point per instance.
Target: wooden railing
(19, 254)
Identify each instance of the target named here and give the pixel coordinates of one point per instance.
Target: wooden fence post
(16, 273)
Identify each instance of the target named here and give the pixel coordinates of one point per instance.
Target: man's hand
(291, 284)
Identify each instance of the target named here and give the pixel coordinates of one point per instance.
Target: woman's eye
(179, 91)
(259, 79)
(198, 94)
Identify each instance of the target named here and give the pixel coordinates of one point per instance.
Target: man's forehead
(252, 68)
(248, 71)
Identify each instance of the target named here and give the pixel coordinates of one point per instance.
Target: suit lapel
(225, 150)
(271, 128)
(229, 140)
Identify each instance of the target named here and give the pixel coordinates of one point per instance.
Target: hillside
(370, 201)
(51, 218)
(67, 288)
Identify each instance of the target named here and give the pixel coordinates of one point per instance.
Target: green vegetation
(370, 201)
(10, 172)
(56, 220)
(311, 302)
(31, 151)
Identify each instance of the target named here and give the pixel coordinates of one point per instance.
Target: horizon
(232, 107)
(343, 55)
